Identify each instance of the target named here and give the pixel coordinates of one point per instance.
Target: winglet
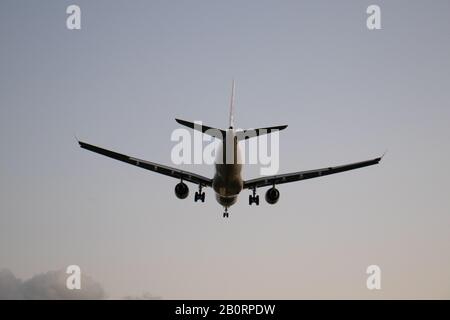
(377, 160)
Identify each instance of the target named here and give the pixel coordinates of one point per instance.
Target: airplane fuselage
(227, 181)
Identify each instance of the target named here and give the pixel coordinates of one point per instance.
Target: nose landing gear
(225, 214)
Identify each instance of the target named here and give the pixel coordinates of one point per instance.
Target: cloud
(10, 286)
(47, 286)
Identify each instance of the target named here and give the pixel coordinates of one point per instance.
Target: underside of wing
(155, 167)
(303, 175)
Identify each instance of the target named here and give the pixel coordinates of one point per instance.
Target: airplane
(227, 182)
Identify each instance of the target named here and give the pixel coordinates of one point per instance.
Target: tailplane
(250, 133)
(214, 132)
(240, 134)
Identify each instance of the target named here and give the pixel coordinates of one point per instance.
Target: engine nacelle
(181, 190)
(272, 195)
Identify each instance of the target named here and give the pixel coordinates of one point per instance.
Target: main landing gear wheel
(199, 195)
(253, 198)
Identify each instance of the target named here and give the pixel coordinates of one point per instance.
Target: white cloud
(47, 286)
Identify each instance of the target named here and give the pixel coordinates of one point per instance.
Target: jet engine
(272, 195)
(181, 190)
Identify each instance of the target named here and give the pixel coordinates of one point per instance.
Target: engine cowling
(181, 190)
(272, 195)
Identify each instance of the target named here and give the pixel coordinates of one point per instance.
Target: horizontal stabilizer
(250, 133)
(221, 134)
(214, 132)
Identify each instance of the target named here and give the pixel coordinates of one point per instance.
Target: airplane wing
(158, 168)
(303, 175)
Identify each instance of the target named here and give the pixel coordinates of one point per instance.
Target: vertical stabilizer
(231, 124)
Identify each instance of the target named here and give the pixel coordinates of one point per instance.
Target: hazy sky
(347, 93)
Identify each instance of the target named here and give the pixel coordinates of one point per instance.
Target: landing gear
(253, 198)
(199, 195)
(225, 214)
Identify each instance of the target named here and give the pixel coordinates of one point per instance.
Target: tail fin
(231, 124)
(240, 134)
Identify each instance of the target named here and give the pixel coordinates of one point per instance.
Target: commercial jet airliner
(227, 181)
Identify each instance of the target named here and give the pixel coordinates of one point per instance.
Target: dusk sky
(347, 93)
